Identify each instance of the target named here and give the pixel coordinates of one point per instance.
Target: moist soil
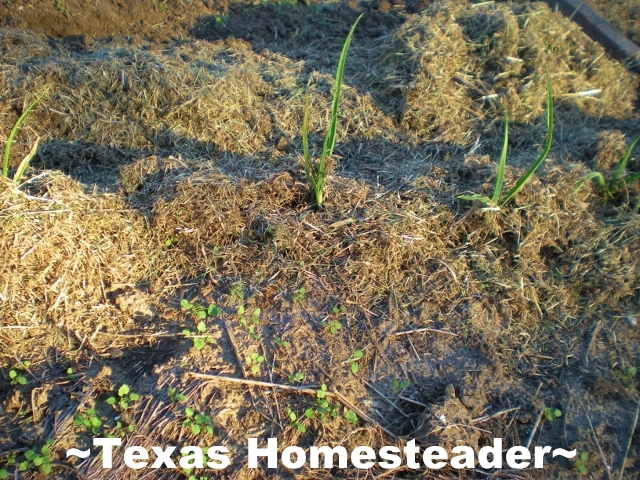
(164, 237)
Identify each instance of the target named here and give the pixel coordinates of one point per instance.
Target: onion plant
(7, 150)
(494, 203)
(617, 181)
(317, 173)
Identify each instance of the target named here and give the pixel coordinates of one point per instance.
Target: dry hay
(202, 139)
(458, 64)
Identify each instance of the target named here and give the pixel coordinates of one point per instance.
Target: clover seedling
(16, 373)
(254, 360)
(551, 413)
(295, 424)
(353, 361)
(125, 395)
(89, 419)
(197, 422)
(250, 323)
(351, 417)
(398, 386)
(298, 295)
(200, 311)
(581, 463)
(174, 396)
(296, 378)
(199, 338)
(281, 343)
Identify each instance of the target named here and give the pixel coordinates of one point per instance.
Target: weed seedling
(627, 377)
(617, 181)
(323, 407)
(236, 291)
(316, 173)
(198, 310)
(250, 323)
(298, 295)
(199, 338)
(174, 396)
(89, 419)
(353, 361)
(581, 463)
(294, 423)
(125, 396)
(351, 417)
(398, 386)
(295, 378)
(281, 343)
(16, 374)
(494, 203)
(17, 177)
(254, 360)
(197, 422)
(33, 459)
(120, 430)
(550, 414)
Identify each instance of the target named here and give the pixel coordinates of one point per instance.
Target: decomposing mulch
(170, 169)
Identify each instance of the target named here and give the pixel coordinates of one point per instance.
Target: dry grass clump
(455, 60)
(623, 14)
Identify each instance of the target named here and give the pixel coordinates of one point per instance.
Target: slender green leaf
(14, 131)
(22, 168)
(623, 163)
(545, 150)
(497, 189)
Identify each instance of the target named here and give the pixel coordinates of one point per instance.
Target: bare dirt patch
(170, 170)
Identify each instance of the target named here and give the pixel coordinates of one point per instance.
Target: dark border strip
(600, 30)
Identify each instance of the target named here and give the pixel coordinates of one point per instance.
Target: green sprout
(551, 413)
(353, 361)
(89, 419)
(351, 417)
(125, 396)
(16, 374)
(200, 339)
(197, 422)
(398, 386)
(316, 173)
(494, 202)
(174, 396)
(298, 295)
(254, 360)
(581, 463)
(32, 458)
(617, 181)
(236, 291)
(295, 378)
(198, 310)
(250, 323)
(7, 150)
(281, 343)
(294, 423)
(120, 430)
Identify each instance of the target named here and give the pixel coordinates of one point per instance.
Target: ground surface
(169, 169)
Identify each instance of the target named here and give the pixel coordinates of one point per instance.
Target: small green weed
(323, 407)
(197, 422)
(549, 414)
(32, 458)
(171, 242)
(174, 396)
(60, 6)
(299, 295)
(200, 311)
(125, 397)
(581, 463)
(334, 323)
(250, 323)
(120, 430)
(17, 373)
(627, 377)
(294, 423)
(617, 181)
(353, 361)
(254, 360)
(281, 343)
(351, 417)
(316, 173)
(7, 151)
(200, 339)
(295, 378)
(494, 203)
(89, 419)
(398, 385)
(237, 291)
